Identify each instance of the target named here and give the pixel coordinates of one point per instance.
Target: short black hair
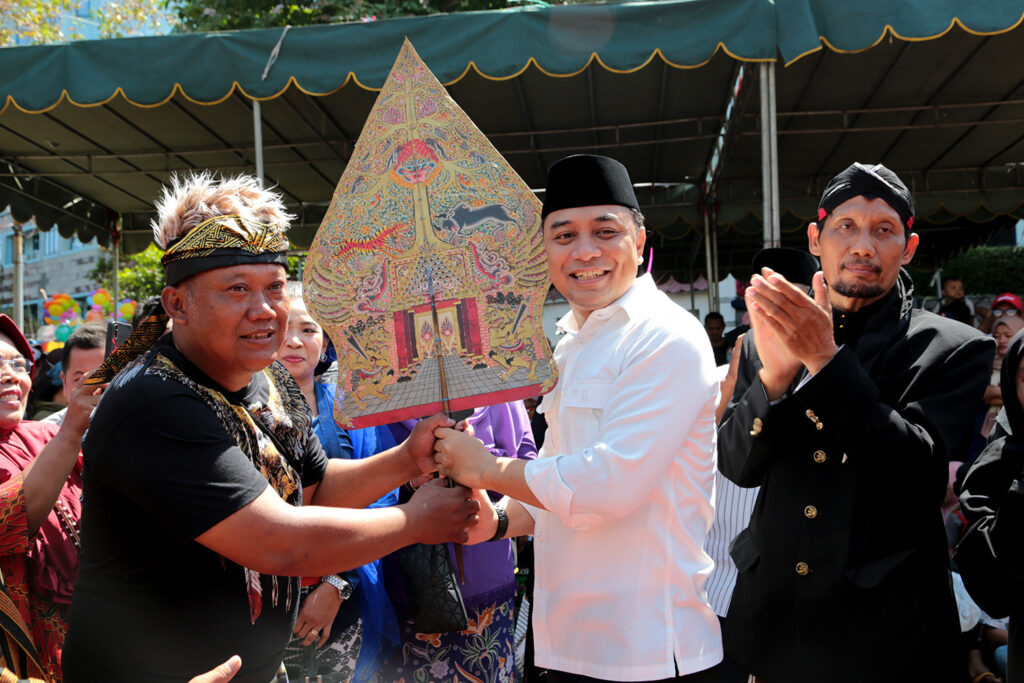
(92, 335)
(140, 309)
(638, 220)
(951, 277)
(714, 315)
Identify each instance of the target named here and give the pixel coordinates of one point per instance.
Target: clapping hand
(791, 330)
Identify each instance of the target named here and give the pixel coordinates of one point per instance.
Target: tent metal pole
(717, 305)
(769, 158)
(773, 141)
(766, 180)
(18, 241)
(117, 268)
(257, 136)
(708, 259)
(257, 115)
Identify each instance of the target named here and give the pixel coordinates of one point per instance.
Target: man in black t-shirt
(206, 490)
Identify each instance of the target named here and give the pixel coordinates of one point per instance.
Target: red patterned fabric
(37, 572)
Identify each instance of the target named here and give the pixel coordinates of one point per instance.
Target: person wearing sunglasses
(40, 502)
(1006, 305)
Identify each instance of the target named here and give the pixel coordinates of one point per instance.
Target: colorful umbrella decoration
(64, 312)
(126, 310)
(100, 305)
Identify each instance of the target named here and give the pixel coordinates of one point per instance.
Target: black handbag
(433, 589)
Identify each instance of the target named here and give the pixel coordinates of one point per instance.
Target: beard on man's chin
(857, 290)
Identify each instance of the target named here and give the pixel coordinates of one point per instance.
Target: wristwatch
(502, 529)
(343, 586)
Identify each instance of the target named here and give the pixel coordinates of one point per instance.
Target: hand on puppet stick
(461, 456)
(442, 514)
(420, 444)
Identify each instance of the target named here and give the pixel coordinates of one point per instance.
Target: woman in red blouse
(40, 500)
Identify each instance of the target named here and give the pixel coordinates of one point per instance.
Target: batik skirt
(483, 653)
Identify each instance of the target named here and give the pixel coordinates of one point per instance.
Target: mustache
(861, 263)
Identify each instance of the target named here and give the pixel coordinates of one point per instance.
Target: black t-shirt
(151, 604)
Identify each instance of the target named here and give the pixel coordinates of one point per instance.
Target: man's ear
(910, 248)
(173, 301)
(813, 239)
(641, 241)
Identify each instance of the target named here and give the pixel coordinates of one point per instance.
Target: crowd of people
(703, 508)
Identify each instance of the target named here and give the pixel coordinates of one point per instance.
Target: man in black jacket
(845, 411)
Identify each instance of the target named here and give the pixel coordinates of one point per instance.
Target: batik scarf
(280, 435)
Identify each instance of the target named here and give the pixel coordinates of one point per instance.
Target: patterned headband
(224, 241)
(217, 242)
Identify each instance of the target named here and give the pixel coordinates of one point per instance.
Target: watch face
(343, 586)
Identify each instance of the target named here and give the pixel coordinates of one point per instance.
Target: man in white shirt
(619, 499)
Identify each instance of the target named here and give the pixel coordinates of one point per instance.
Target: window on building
(32, 245)
(51, 243)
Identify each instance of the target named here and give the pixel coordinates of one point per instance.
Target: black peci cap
(587, 180)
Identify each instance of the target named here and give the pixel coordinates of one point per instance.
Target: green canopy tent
(89, 131)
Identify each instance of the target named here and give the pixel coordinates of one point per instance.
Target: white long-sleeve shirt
(626, 475)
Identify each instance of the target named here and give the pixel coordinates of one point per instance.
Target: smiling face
(862, 246)
(593, 253)
(14, 387)
(230, 321)
(303, 343)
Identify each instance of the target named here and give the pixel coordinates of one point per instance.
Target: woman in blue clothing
(346, 624)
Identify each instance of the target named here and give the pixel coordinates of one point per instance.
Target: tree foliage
(133, 17)
(139, 277)
(53, 21)
(984, 270)
(221, 15)
(35, 21)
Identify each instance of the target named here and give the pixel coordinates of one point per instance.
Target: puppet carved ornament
(431, 252)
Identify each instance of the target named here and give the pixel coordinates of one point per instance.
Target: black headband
(871, 182)
(223, 241)
(176, 271)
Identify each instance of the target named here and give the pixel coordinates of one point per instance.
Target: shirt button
(819, 456)
(810, 512)
(583, 395)
(802, 569)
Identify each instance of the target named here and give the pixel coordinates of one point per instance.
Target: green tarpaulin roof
(934, 89)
